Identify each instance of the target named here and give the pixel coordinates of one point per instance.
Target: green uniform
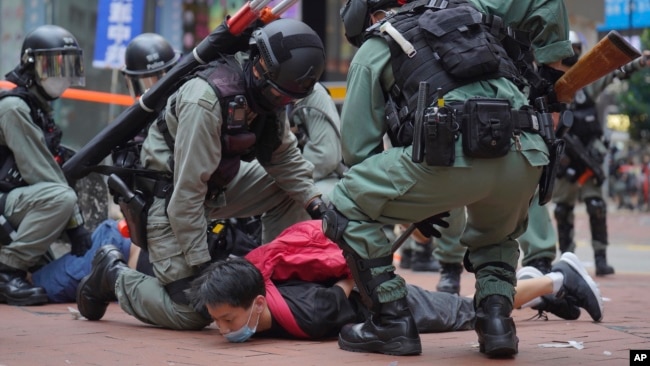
(41, 210)
(540, 239)
(448, 248)
(177, 237)
(388, 188)
(317, 118)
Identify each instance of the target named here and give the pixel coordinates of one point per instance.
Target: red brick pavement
(49, 335)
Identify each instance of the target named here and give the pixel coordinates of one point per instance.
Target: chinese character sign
(118, 21)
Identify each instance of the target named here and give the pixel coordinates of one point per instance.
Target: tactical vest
(10, 176)
(239, 141)
(453, 45)
(586, 124)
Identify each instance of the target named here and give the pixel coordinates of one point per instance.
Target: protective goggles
(66, 63)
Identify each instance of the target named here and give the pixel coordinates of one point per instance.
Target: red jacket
(301, 252)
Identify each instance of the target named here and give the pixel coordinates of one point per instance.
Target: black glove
(426, 226)
(80, 239)
(316, 208)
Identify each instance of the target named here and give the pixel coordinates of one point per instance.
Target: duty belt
(156, 187)
(524, 119)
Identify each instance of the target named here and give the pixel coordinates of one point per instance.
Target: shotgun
(609, 54)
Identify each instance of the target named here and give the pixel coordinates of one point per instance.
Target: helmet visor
(268, 89)
(60, 63)
(138, 84)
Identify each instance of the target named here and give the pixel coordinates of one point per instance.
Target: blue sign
(619, 17)
(118, 21)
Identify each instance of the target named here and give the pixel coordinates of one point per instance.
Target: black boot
(15, 290)
(406, 259)
(97, 289)
(390, 331)
(450, 278)
(423, 260)
(602, 268)
(497, 336)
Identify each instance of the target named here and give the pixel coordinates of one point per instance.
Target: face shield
(59, 63)
(140, 83)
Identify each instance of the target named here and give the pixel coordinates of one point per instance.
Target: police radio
(237, 109)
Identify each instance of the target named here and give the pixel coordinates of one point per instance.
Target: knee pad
(562, 212)
(596, 207)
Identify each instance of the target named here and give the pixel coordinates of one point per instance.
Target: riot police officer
(581, 176)
(36, 203)
(223, 113)
(479, 87)
(147, 58)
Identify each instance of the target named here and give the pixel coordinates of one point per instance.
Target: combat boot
(97, 290)
(423, 260)
(602, 268)
(579, 285)
(497, 335)
(449, 278)
(391, 331)
(15, 290)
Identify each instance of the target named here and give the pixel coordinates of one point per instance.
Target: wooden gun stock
(610, 53)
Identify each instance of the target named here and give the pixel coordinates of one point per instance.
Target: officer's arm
(25, 139)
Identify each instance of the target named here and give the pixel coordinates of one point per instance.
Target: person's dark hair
(235, 282)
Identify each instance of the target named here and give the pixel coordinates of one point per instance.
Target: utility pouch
(487, 128)
(440, 128)
(458, 37)
(550, 171)
(134, 208)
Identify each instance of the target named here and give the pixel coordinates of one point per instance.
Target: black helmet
(356, 17)
(289, 58)
(146, 59)
(52, 53)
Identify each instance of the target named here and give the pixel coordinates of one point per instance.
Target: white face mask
(55, 86)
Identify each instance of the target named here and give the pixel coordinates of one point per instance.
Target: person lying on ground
(299, 286)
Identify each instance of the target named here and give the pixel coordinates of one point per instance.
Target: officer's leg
(565, 195)
(450, 253)
(158, 300)
(538, 242)
(493, 251)
(597, 211)
(391, 328)
(39, 213)
(565, 218)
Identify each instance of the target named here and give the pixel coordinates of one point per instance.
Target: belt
(157, 188)
(524, 119)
